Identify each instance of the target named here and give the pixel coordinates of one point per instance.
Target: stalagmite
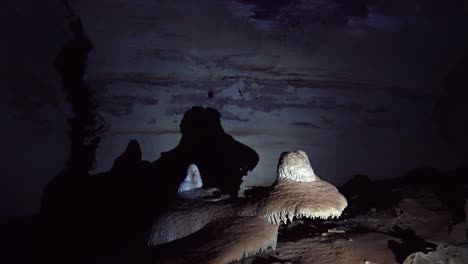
(295, 166)
(192, 181)
(297, 193)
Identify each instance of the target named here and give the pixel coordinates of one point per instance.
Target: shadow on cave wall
(221, 159)
(71, 65)
(113, 210)
(88, 217)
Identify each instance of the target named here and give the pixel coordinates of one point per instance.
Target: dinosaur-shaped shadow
(112, 211)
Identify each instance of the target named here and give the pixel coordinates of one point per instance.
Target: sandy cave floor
(364, 237)
(329, 248)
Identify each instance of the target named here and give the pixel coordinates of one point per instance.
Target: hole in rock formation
(133, 192)
(221, 159)
(130, 128)
(252, 223)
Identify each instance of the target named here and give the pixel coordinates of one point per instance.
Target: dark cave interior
(388, 130)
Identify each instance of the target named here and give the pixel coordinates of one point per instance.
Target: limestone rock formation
(129, 159)
(295, 166)
(443, 254)
(192, 181)
(223, 162)
(299, 193)
(190, 215)
(294, 200)
(223, 241)
(291, 197)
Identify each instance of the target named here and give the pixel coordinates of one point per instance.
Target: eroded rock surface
(192, 181)
(295, 166)
(443, 254)
(288, 199)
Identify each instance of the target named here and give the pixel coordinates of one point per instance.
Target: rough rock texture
(129, 159)
(245, 236)
(459, 232)
(187, 217)
(367, 248)
(223, 241)
(340, 87)
(288, 199)
(298, 192)
(295, 166)
(192, 181)
(443, 255)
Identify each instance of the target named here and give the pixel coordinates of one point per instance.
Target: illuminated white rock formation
(290, 200)
(295, 166)
(192, 181)
(298, 193)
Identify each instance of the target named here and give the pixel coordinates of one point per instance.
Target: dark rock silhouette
(410, 243)
(221, 159)
(129, 160)
(87, 210)
(365, 194)
(71, 64)
(111, 212)
(450, 110)
(66, 198)
(256, 191)
(450, 187)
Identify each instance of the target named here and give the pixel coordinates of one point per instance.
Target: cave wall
(33, 107)
(354, 85)
(356, 93)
